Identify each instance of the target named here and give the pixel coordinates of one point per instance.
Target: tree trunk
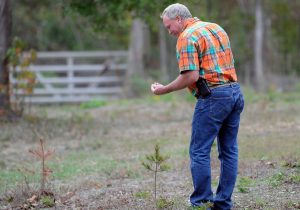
(5, 41)
(138, 49)
(163, 52)
(258, 47)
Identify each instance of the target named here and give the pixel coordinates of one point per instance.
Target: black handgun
(203, 89)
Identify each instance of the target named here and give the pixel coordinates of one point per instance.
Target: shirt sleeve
(187, 55)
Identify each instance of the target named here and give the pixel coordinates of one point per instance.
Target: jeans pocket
(203, 104)
(221, 106)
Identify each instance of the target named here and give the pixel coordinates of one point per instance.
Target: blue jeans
(217, 115)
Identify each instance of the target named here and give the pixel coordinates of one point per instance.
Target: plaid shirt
(205, 47)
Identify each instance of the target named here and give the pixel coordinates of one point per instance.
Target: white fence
(76, 76)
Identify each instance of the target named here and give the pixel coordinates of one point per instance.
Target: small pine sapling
(156, 163)
(42, 155)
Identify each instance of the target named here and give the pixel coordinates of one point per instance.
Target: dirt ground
(98, 155)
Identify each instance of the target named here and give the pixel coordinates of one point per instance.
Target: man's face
(174, 26)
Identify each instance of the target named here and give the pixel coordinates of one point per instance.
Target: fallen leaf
(33, 199)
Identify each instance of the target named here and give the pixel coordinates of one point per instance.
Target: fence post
(70, 63)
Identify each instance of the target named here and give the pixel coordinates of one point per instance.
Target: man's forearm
(181, 82)
(178, 84)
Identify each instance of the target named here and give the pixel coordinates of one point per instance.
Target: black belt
(222, 85)
(213, 87)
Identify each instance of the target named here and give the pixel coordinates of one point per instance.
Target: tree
(108, 16)
(156, 163)
(258, 55)
(5, 40)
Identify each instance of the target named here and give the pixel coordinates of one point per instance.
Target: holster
(203, 89)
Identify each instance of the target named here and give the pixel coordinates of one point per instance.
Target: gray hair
(174, 10)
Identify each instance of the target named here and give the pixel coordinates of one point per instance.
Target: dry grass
(98, 153)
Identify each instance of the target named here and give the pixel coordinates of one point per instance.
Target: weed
(214, 182)
(214, 144)
(156, 164)
(163, 203)
(276, 179)
(244, 184)
(205, 206)
(295, 178)
(142, 195)
(259, 202)
(291, 164)
(47, 201)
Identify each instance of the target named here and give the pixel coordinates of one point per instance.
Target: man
(207, 69)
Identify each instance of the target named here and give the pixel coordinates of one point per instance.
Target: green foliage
(291, 163)
(280, 178)
(49, 27)
(142, 195)
(47, 201)
(260, 202)
(109, 15)
(244, 184)
(19, 60)
(277, 179)
(93, 104)
(205, 206)
(295, 178)
(156, 163)
(58, 25)
(164, 203)
(284, 21)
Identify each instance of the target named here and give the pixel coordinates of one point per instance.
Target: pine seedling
(42, 155)
(156, 163)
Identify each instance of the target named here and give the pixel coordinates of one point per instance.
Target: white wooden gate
(77, 76)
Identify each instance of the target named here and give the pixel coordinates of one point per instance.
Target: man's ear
(179, 19)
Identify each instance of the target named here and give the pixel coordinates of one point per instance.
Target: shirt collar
(190, 21)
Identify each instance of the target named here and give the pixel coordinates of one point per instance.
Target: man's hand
(182, 81)
(157, 89)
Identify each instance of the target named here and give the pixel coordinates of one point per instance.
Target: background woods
(264, 33)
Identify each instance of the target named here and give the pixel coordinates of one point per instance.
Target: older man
(206, 68)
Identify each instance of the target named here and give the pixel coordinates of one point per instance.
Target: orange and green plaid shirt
(205, 47)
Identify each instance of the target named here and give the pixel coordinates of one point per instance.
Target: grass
(83, 163)
(93, 104)
(244, 184)
(142, 195)
(108, 140)
(47, 201)
(71, 166)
